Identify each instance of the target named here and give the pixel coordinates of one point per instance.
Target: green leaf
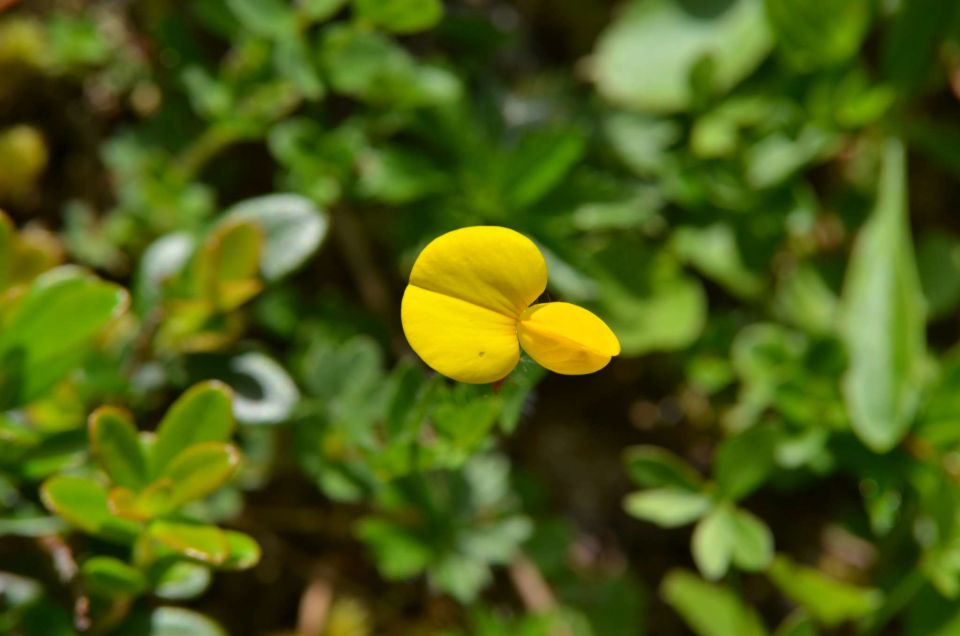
(752, 541)
(319, 10)
(743, 462)
(207, 544)
(263, 392)
(170, 621)
(399, 554)
(818, 34)
(730, 535)
(829, 601)
(539, 163)
(714, 251)
(400, 16)
(883, 322)
(293, 227)
(181, 580)
(82, 503)
(226, 269)
(712, 543)
(267, 18)
(912, 43)
(199, 471)
(656, 467)
(938, 262)
(244, 551)
(648, 58)
(709, 610)
(668, 507)
(50, 329)
(202, 414)
(111, 577)
(116, 447)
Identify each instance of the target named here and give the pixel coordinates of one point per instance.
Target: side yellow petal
(489, 266)
(566, 338)
(459, 339)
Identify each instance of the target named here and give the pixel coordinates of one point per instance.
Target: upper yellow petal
(459, 339)
(566, 338)
(493, 267)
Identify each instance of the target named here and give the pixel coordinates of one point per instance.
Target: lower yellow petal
(566, 338)
(457, 338)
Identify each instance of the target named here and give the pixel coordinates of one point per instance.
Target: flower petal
(459, 339)
(566, 338)
(493, 267)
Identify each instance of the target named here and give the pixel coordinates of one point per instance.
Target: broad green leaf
(226, 268)
(82, 503)
(169, 621)
(883, 322)
(656, 467)
(50, 328)
(822, 33)
(829, 601)
(709, 610)
(667, 507)
(712, 543)
(202, 414)
(244, 551)
(730, 535)
(743, 462)
(649, 57)
(207, 544)
(166, 257)
(181, 580)
(400, 16)
(752, 541)
(199, 471)
(267, 18)
(116, 446)
(112, 578)
(293, 227)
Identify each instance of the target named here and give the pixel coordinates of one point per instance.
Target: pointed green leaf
(116, 447)
(883, 325)
(202, 414)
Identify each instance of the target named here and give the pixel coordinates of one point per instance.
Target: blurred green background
(210, 422)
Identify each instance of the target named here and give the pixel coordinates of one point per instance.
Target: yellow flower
(467, 310)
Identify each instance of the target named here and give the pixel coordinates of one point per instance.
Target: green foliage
(207, 400)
